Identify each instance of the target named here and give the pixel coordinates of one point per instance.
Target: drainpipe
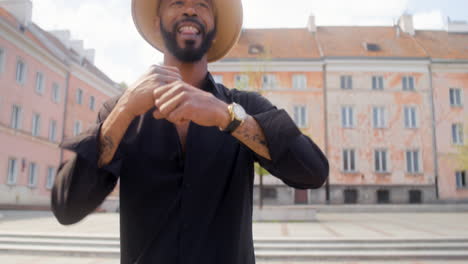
(434, 135)
(325, 119)
(65, 112)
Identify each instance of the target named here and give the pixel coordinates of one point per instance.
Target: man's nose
(190, 10)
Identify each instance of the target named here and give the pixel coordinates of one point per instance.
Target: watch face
(239, 112)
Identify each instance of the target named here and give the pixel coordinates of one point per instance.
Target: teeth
(188, 29)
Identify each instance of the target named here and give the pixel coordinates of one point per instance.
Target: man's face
(187, 27)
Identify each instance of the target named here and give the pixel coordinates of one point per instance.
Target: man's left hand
(179, 103)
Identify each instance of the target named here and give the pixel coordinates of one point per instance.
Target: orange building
(380, 101)
(49, 90)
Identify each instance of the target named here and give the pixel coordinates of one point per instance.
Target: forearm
(112, 131)
(251, 134)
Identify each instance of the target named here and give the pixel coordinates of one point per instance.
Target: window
(379, 120)
(79, 96)
(92, 103)
(383, 196)
(377, 83)
(16, 117)
(2, 59)
(39, 83)
(350, 196)
(50, 177)
(300, 116)
(77, 128)
(347, 116)
(55, 93)
(380, 159)
(32, 176)
(346, 82)
(410, 117)
(299, 81)
(218, 78)
(12, 171)
(408, 83)
(456, 97)
(241, 81)
(349, 160)
(457, 134)
(415, 196)
(461, 179)
(269, 81)
(412, 161)
(20, 72)
(36, 125)
(53, 131)
(270, 193)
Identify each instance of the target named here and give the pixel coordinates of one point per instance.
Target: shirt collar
(211, 86)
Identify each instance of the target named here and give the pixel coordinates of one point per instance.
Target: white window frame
(77, 127)
(413, 164)
(347, 116)
(241, 81)
(218, 78)
(349, 160)
(379, 117)
(40, 83)
(346, 82)
(33, 174)
(456, 97)
(2, 59)
(13, 169)
(53, 131)
(461, 180)
(457, 134)
(300, 115)
(20, 73)
(36, 125)
(92, 103)
(269, 81)
(381, 161)
(299, 81)
(50, 178)
(79, 96)
(408, 83)
(411, 117)
(55, 92)
(16, 117)
(378, 83)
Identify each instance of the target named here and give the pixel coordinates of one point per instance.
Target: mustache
(192, 20)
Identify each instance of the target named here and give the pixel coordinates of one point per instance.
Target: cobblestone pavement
(328, 225)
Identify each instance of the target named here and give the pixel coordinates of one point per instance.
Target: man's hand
(179, 102)
(138, 98)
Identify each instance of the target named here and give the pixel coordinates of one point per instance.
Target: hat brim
(228, 25)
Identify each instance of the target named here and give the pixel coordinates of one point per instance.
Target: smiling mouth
(191, 30)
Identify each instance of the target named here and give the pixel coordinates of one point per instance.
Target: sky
(107, 25)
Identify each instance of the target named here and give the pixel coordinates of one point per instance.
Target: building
(49, 90)
(384, 103)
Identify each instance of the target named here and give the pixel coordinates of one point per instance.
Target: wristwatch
(238, 115)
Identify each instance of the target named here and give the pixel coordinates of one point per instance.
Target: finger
(159, 91)
(170, 68)
(180, 114)
(169, 94)
(172, 103)
(155, 69)
(163, 79)
(157, 114)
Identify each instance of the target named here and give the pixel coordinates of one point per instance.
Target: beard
(190, 53)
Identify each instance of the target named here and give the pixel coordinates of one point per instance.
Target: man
(184, 146)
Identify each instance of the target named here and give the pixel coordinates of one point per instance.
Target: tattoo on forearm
(106, 149)
(252, 135)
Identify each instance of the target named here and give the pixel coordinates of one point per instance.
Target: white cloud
(107, 25)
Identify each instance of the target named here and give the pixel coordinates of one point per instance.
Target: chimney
(20, 9)
(406, 24)
(89, 55)
(77, 45)
(457, 26)
(62, 35)
(311, 26)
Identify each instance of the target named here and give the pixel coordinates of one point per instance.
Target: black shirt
(192, 208)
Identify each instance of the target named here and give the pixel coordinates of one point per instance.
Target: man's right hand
(138, 98)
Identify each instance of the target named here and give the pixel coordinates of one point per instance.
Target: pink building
(40, 75)
(384, 103)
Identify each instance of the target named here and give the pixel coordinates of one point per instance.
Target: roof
(49, 42)
(350, 42)
(444, 45)
(277, 43)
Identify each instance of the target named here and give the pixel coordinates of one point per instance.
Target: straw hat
(228, 22)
